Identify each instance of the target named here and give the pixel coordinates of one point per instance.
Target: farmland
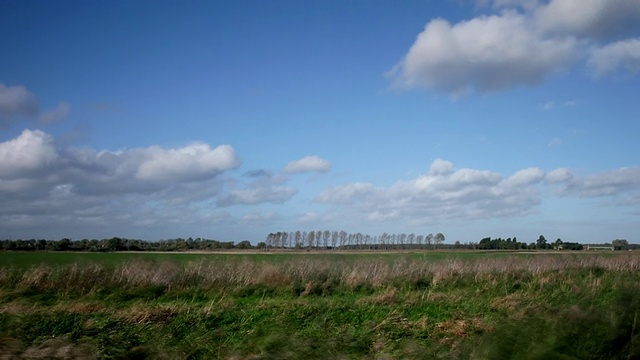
(474, 305)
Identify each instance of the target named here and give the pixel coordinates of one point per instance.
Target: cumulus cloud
(597, 19)
(308, 164)
(526, 177)
(623, 54)
(444, 192)
(487, 53)
(187, 163)
(618, 182)
(43, 185)
(32, 152)
(521, 45)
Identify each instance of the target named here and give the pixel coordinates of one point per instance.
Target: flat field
(29, 259)
(414, 305)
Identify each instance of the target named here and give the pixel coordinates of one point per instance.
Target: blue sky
(233, 119)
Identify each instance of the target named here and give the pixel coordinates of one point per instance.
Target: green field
(461, 305)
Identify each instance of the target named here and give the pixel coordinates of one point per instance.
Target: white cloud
(440, 167)
(487, 53)
(308, 164)
(52, 116)
(589, 18)
(52, 189)
(443, 193)
(526, 177)
(188, 163)
(623, 182)
(521, 45)
(31, 152)
(469, 194)
(559, 175)
(621, 54)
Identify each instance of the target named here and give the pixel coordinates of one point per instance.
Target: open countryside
(278, 303)
(320, 179)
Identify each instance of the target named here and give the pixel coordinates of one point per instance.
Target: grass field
(462, 305)
(29, 259)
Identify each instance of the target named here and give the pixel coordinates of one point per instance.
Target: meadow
(462, 305)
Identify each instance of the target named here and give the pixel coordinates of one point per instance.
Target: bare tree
(335, 235)
(428, 239)
(311, 239)
(410, 238)
(283, 239)
(325, 238)
(401, 239)
(343, 238)
(419, 240)
(438, 239)
(270, 240)
(298, 236)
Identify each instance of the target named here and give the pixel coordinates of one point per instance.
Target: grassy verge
(540, 307)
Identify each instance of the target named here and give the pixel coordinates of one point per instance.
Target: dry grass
(309, 273)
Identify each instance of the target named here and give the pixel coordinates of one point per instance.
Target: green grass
(318, 306)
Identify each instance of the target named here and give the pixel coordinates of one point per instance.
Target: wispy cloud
(18, 103)
(307, 164)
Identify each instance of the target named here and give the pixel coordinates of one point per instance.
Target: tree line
(304, 240)
(327, 239)
(121, 244)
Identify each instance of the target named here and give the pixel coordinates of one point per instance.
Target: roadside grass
(524, 307)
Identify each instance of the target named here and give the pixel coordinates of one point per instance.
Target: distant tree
(428, 240)
(620, 244)
(270, 240)
(402, 238)
(298, 236)
(541, 243)
(325, 238)
(244, 244)
(410, 239)
(335, 235)
(343, 238)
(558, 244)
(438, 239)
(310, 239)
